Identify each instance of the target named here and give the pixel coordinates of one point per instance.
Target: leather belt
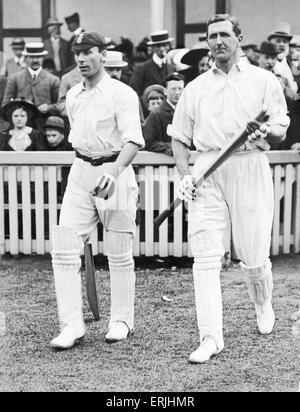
(98, 161)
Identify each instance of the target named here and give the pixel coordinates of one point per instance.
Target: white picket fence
(30, 200)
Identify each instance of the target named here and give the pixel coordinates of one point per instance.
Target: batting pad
(67, 278)
(209, 301)
(122, 277)
(259, 282)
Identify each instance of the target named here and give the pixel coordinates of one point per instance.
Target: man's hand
(106, 183)
(187, 190)
(296, 146)
(258, 132)
(44, 108)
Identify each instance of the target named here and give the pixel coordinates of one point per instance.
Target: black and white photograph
(149, 199)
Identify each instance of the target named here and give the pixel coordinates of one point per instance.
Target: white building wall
(258, 17)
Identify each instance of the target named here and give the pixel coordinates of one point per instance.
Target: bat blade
(91, 281)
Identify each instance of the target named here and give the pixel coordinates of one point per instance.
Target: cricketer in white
(106, 134)
(214, 109)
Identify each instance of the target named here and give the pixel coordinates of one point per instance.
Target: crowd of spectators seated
(37, 78)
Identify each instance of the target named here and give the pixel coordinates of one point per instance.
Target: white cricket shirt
(105, 118)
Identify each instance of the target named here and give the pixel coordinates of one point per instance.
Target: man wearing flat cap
(154, 70)
(250, 50)
(58, 48)
(281, 36)
(106, 135)
(34, 83)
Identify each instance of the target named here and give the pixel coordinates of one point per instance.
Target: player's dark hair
(226, 17)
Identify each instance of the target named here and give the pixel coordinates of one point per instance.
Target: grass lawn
(156, 357)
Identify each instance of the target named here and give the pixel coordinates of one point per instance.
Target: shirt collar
(78, 31)
(241, 66)
(170, 104)
(19, 60)
(34, 72)
(102, 85)
(157, 60)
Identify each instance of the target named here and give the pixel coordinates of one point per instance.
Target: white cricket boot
(260, 288)
(67, 277)
(265, 317)
(206, 350)
(118, 331)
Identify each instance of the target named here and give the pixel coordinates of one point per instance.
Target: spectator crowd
(33, 91)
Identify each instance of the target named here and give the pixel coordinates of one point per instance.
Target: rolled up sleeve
(128, 118)
(275, 101)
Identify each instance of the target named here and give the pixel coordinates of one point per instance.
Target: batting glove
(105, 186)
(260, 133)
(187, 189)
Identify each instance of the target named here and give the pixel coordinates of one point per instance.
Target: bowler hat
(114, 59)
(53, 21)
(193, 57)
(54, 122)
(282, 29)
(8, 108)
(159, 37)
(18, 43)
(87, 40)
(35, 49)
(73, 18)
(268, 47)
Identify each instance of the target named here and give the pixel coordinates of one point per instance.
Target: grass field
(156, 358)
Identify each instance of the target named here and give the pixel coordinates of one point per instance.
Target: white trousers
(81, 212)
(239, 195)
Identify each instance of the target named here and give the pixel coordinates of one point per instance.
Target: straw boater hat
(35, 49)
(8, 108)
(269, 48)
(159, 37)
(282, 29)
(114, 59)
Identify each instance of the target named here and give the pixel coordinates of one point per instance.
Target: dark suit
(12, 67)
(44, 89)
(3, 81)
(155, 130)
(148, 73)
(64, 53)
